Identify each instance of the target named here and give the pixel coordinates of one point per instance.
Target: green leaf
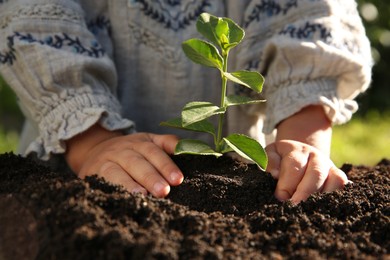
(197, 111)
(236, 33)
(229, 46)
(201, 126)
(221, 31)
(203, 53)
(250, 79)
(205, 25)
(233, 100)
(189, 146)
(248, 148)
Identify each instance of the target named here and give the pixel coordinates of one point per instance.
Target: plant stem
(218, 145)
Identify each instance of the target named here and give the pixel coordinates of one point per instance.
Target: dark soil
(223, 210)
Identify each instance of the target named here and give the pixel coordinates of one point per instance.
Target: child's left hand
(300, 156)
(301, 170)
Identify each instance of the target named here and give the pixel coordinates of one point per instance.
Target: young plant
(223, 35)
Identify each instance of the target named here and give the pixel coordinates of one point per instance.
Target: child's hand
(301, 170)
(300, 157)
(139, 162)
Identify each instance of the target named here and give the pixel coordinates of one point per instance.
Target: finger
(314, 178)
(161, 161)
(336, 180)
(166, 142)
(143, 172)
(274, 160)
(113, 173)
(293, 166)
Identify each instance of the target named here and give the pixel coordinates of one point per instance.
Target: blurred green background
(364, 140)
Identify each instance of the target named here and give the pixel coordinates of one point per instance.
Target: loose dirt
(223, 210)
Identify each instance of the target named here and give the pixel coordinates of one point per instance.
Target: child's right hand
(139, 162)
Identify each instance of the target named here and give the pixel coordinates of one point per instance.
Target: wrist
(310, 125)
(77, 147)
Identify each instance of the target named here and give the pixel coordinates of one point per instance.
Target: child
(87, 72)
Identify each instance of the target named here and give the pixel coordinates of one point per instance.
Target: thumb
(274, 160)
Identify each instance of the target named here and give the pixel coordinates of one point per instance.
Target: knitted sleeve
(57, 60)
(311, 52)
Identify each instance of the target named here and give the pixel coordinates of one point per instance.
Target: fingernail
(176, 177)
(139, 190)
(294, 201)
(282, 195)
(161, 189)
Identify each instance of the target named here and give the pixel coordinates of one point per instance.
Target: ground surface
(224, 210)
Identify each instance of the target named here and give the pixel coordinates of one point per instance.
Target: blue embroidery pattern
(308, 31)
(269, 8)
(174, 14)
(101, 23)
(57, 41)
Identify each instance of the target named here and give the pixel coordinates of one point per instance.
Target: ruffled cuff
(285, 102)
(74, 116)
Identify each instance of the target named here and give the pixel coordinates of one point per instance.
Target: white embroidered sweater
(119, 63)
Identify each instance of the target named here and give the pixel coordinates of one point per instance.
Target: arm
(65, 80)
(316, 59)
(62, 74)
(310, 126)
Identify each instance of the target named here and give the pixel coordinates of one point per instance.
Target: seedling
(223, 35)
